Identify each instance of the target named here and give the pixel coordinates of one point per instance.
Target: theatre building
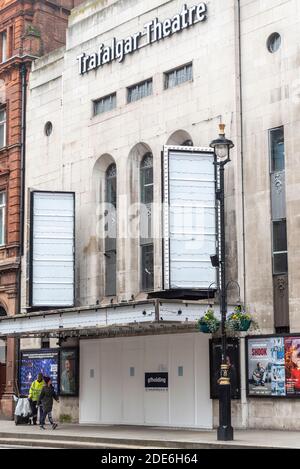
(26, 32)
(120, 211)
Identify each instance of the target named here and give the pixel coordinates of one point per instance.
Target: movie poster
(233, 361)
(292, 365)
(35, 362)
(266, 367)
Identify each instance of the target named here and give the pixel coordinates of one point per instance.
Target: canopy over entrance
(130, 318)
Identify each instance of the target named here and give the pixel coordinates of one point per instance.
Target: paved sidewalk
(80, 436)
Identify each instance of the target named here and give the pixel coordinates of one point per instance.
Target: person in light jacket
(34, 394)
(46, 401)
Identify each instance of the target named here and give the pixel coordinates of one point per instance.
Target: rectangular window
(139, 91)
(11, 41)
(179, 75)
(147, 267)
(3, 39)
(105, 104)
(2, 128)
(280, 253)
(2, 217)
(277, 149)
(2, 352)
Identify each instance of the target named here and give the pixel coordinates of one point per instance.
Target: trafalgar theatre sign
(154, 31)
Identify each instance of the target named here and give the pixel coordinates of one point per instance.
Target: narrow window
(2, 128)
(278, 202)
(2, 217)
(280, 253)
(179, 75)
(2, 354)
(110, 230)
(146, 242)
(3, 46)
(279, 229)
(139, 91)
(277, 149)
(105, 104)
(11, 41)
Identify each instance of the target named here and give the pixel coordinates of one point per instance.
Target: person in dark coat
(46, 401)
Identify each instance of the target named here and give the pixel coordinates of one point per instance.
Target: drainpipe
(244, 402)
(23, 73)
(23, 141)
(242, 149)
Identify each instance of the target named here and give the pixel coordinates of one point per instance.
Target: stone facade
(32, 28)
(236, 80)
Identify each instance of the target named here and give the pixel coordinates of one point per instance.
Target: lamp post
(222, 147)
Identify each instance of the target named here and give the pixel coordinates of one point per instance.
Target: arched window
(110, 230)
(146, 241)
(187, 143)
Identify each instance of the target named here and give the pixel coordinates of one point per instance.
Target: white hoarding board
(189, 217)
(52, 249)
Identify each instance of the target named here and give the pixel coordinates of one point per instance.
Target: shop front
(136, 364)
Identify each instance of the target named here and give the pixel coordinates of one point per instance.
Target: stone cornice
(16, 61)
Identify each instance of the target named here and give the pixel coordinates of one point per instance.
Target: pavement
(135, 437)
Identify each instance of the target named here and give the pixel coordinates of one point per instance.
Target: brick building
(28, 28)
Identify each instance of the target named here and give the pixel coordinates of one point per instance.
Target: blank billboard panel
(189, 217)
(52, 249)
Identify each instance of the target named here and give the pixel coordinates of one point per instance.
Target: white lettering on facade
(154, 31)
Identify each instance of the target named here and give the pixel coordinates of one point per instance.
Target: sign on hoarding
(156, 380)
(34, 362)
(52, 249)
(274, 366)
(189, 219)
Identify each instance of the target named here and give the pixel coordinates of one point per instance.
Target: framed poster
(292, 366)
(68, 376)
(233, 360)
(273, 366)
(33, 362)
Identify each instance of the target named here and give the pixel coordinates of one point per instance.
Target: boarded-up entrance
(114, 388)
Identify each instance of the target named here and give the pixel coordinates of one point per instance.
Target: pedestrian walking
(33, 397)
(46, 400)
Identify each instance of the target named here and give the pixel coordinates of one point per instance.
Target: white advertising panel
(189, 217)
(52, 249)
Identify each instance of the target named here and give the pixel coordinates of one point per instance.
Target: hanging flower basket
(245, 324)
(207, 328)
(238, 320)
(208, 324)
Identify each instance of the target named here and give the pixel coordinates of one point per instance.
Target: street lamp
(222, 147)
